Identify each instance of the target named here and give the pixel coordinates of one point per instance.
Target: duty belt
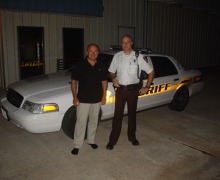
(130, 87)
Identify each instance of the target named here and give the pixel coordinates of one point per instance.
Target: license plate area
(4, 113)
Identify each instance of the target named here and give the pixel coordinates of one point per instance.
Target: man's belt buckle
(130, 87)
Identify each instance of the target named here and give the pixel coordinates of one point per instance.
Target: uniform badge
(145, 58)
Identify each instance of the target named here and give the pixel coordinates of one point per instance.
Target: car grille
(14, 98)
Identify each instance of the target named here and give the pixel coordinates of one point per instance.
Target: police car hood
(45, 84)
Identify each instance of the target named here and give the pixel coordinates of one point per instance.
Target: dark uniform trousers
(123, 97)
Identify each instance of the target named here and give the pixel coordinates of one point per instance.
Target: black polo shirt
(89, 81)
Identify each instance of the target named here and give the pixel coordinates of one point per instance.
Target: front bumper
(33, 123)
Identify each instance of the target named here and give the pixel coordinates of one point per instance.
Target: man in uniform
(92, 86)
(123, 72)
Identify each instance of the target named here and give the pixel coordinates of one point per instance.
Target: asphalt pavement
(173, 145)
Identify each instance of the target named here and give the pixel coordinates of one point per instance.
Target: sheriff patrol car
(44, 103)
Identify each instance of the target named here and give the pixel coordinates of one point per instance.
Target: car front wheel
(69, 121)
(180, 99)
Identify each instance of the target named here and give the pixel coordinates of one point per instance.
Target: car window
(163, 66)
(106, 60)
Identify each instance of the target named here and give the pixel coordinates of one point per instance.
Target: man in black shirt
(92, 85)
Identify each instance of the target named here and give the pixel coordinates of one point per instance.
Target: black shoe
(94, 146)
(135, 142)
(109, 146)
(75, 151)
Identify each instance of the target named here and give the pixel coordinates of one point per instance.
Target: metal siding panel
(103, 31)
(81, 22)
(177, 33)
(163, 31)
(151, 34)
(35, 20)
(182, 37)
(107, 19)
(116, 18)
(44, 22)
(185, 43)
(74, 21)
(59, 25)
(197, 38)
(67, 21)
(2, 68)
(53, 51)
(87, 35)
(9, 51)
(192, 37)
(17, 20)
(126, 12)
(172, 42)
(198, 55)
(216, 45)
(170, 31)
(93, 31)
(27, 18)
(158, 28)
(149, 21)
(133, 11)
(211, 48)
(140, 26)
(191, 40)
(4, 43)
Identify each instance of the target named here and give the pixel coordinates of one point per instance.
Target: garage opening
(31, 51)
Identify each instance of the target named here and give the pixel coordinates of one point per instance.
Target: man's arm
(104, 87)
(74, 92)
(114, 80)
(150, 78)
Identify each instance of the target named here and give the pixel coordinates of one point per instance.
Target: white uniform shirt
(126, 67)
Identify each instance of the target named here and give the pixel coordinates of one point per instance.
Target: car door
(164, 83)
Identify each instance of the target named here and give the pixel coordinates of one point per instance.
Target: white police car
(44, 104)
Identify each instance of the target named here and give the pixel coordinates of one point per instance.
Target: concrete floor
(174, 145)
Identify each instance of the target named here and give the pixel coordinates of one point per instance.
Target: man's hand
(73, 88)
(143, 90)
(103, 100)
(115, 83)
(76, 102)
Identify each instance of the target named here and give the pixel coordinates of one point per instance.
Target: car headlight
(40, 108)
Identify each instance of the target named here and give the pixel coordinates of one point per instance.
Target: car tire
(180, 99)
(69, 121)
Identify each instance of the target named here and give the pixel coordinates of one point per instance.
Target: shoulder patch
(145, 58)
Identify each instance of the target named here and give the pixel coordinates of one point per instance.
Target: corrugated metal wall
(192, 37)
(103, 31)
(2, 79)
